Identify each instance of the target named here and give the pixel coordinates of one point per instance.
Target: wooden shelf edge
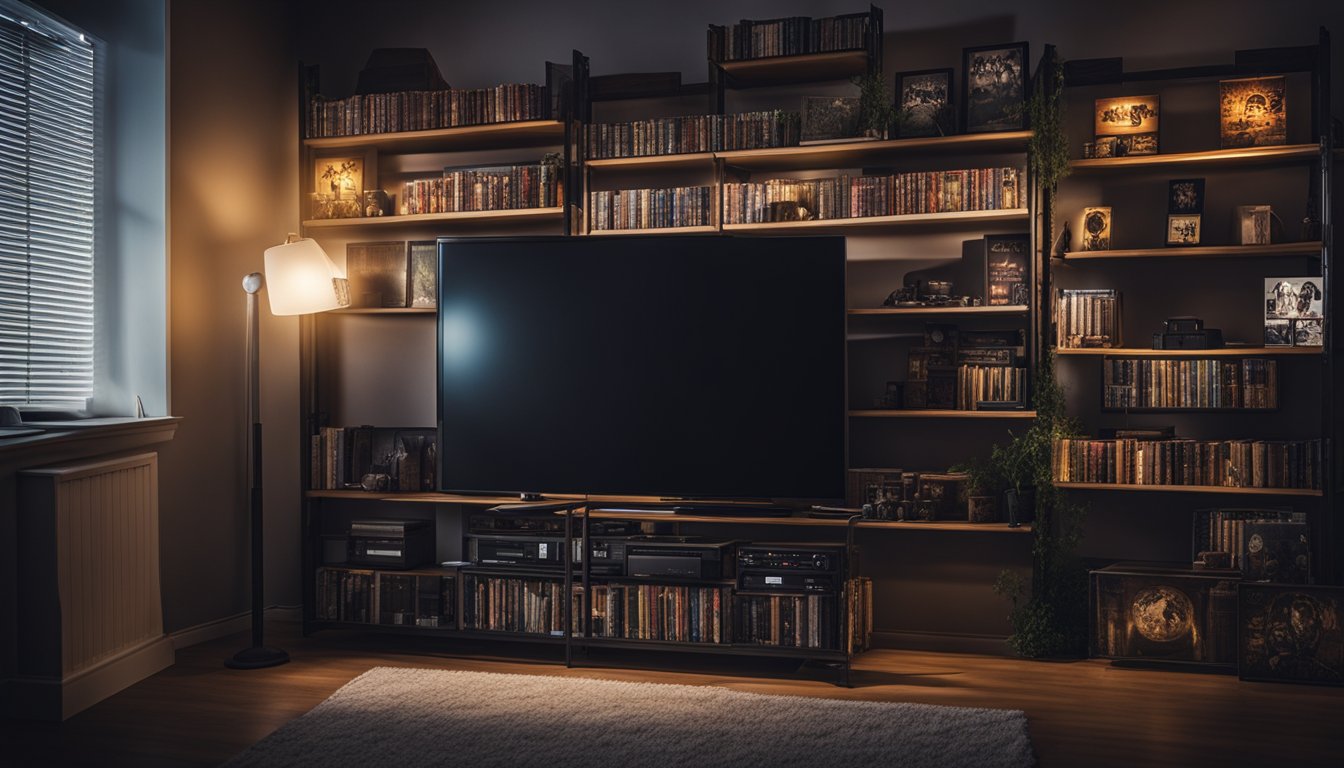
(709, 228)
(485, 131)
(511, 214)
(908, 219)
(1305, 248)
(1190, 489)
(645, 161)
(748, 158)
(1213, 156)
(1221, 352)
(881, 311)
(931, 413)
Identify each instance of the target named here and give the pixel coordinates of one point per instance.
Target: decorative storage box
(1155, 612)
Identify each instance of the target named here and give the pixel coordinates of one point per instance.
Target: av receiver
(679, 557)
(790, 567)
(398, 544)
(545, 552)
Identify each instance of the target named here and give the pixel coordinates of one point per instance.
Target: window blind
(46, 211)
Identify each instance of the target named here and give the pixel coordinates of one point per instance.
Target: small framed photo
(1308, 332)
(1185, 196)
(1290, 633)
(1278, 333)
(423, 256)
(924, 103)
(830, 118)
(1254, 224)
(1253, 112)
(1135, 118)
(1183, 229)
(994, 87)
(1097, 228)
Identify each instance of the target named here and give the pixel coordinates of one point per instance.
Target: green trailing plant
(1048, 147)
(876, 112)
(1049, 616)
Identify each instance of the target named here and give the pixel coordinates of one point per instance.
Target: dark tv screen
(652, 366)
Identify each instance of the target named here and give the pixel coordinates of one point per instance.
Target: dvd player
(811, 567)
(679, 557)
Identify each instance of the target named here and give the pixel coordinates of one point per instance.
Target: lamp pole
(258, 656)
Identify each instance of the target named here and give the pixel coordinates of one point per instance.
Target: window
(47, 171)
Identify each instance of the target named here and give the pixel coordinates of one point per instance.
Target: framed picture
(994, 87)
(1308, 331)
(1253, 112)
(1136, 144)
(830, 118)
(1253, 223)
(924, 103)
(1006, 270)
(1183, 229)
(1125, 115)
(1278, 333)
(1290, 633)
(1185, 196)
(1293, 297)
(377, 273)
(338, 188)
(1097, 228)
(423, 256)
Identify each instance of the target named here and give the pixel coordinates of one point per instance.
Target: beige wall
(233, 192)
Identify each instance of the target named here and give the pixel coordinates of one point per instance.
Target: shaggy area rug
(420, 717)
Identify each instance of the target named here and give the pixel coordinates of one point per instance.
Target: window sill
(61, 440)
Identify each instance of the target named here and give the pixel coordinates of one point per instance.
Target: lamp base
(257, 658)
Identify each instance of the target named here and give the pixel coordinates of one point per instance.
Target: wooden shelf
(709, 228)
(883, 311)
(930, 413)
(1190, 489)
(459, 217)
(951, 219)
(652, 161)
(809, 67)
(1224, 352)
(1250, 156)
(386, 311)
(809, 522)
(527, 133)
(1307, 248)
(855, 154)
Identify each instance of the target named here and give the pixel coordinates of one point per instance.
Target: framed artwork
(423, 256)
(1185, 196)
(924, 102)
(1097, 228)
(830, 118)
(1131, 120)
(1183, 229)
(1157, 613)
(1293, 297)
(377, 273)
(1006, 270)
(994, 87)
(1290, 633)
(1308, 332)
(1253, 112)
(338, 188)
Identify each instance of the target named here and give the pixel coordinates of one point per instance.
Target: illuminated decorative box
(1155, 612)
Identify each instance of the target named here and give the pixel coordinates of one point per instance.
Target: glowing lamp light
(301, 279)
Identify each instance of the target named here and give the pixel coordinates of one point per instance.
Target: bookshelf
(1293, 177)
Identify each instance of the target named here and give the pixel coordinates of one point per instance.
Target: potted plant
(1049, 616)
(876, 112)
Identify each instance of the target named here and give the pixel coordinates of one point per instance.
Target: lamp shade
(301, 279)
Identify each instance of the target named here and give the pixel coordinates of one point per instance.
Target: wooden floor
(1084, 713)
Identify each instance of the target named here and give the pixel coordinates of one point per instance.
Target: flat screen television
(682, 367)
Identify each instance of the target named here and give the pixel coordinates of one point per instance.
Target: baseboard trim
(229, 625)
(990, 645)
(50, 699)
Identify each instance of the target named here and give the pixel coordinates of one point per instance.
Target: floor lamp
(301, 279)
